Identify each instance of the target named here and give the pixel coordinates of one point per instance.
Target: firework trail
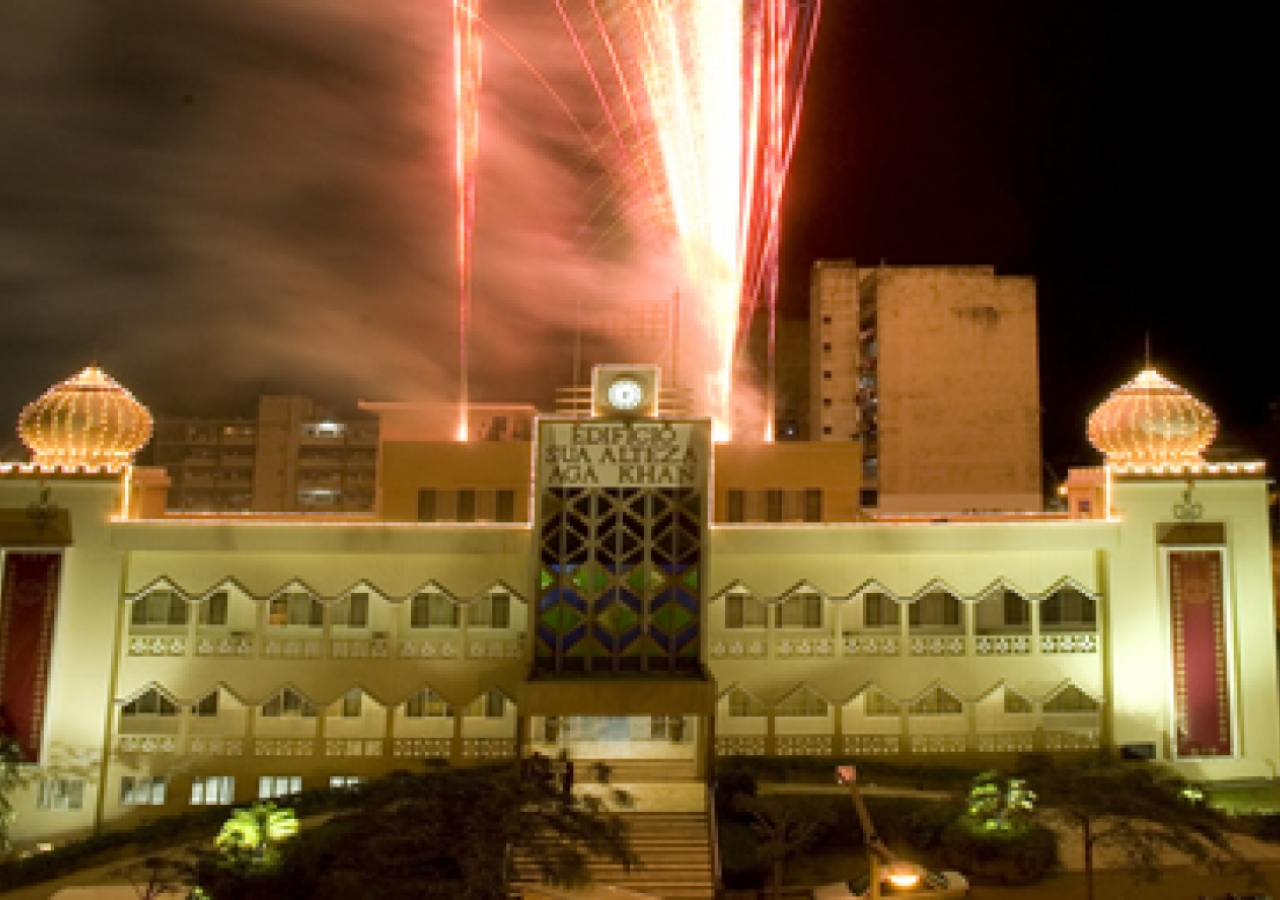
(466, 86)
(703, 100)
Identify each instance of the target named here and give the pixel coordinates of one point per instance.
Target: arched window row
(163, 603)
(1002, 605)
(936, 700)
(154, 702)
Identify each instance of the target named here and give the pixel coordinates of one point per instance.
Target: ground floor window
(142, 790)
(341, 782)
(60, 793)
(213, 790)
(272, 786)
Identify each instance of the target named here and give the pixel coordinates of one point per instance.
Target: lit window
(936, 609)
(160, 608)
(213, 790)
(802, 704)
(352, 611)
(1071, 700)
(271, 787)
(1015, 704)
(937, 702)
(743, 611)
(142, 790)
(288, 703)
(352, 703)
(800, 611)
(880, 611)
(491, 611)
(207, 706)
(295, 608)
(433, 610)
(875, 703)
(150, 703)
(427, 704)
(744, 706)
(1070, 609)
(489, 705)
(345, 782)
(213, 609)
(60, 793)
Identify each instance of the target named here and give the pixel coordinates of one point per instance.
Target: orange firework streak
(720, 82)
(466, 86)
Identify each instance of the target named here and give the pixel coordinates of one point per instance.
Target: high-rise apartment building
(934, 369)
(294, 457)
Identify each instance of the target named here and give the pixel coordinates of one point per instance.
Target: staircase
(675, 858)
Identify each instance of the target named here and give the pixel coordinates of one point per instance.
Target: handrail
(713, 829)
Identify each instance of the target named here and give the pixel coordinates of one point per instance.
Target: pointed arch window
(150, 703)
(427, 704)
(937, 702)
(744, 706)
(288, 704)
(1071, 700)
(803, 704)
(161, 607)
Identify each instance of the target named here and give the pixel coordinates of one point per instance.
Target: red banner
(1201, 692)
(28, 604)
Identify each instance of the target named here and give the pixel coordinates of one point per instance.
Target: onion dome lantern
(89, 421)
(1152, 421)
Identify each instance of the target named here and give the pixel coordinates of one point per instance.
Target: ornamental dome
(88, 420)
(1151, 420)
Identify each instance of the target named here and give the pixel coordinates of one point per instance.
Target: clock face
(625, 393)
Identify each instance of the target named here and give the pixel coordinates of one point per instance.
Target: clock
(625, 393)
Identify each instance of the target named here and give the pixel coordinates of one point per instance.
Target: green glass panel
(690, 579)
(561, 618)
(591, 579)
(546, 579)
(617, 618)
(671, 618)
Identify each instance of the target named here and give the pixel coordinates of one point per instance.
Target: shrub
(1016, 856)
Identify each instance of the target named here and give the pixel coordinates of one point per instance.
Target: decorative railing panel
(1084, 642)
(745, 648)
(488, 748)
(157, 645)
(951, 645)
(803, 745)
(1066, 741)
(1010, 742)
(1002, 644)
(359, 649)
(509, 649)
(352, 747)
(205, 746)
(234, 645)
(871, 645)
(804, 648)
(939, 743)
(147, 743)
(740, 746)
(284, 747)
(873, 744)
(291, 648)
(422, 748)
(428, 649)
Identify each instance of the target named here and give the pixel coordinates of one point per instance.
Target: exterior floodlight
(902, 875)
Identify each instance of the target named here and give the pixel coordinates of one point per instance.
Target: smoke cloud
(217, 199)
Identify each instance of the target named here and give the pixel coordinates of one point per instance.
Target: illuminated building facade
(934, 370)
(656, 599)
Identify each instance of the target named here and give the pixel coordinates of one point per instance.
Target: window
(427, 704)
(743, 706)
(345, 782)
(428, 503)
(773, 505)
(213, 610)
(735, 501)
(60, 793)
(802, 704)
(491, 611)
(288, 703)
(936, 609)
(490, 705)
(1015, 609)
(352, 702)
(504, 507)
(296, 608)
(213, 790)
(160, 608)
(433, 610)
(150, 703)
(743, 611)
(937, 702)
(662, 728)
(875, 703)
(1015, 704)
(812, 505)
(800, 611)
(271, 787)
(142, 790)
(466, 505)
(1069, 608)
(207, 706)
(1071, 700)
(880, 611)
(352, 611)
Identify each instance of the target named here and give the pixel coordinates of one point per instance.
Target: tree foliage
(786, 824)
(1138, 810)
(448, 833)
(11, 759)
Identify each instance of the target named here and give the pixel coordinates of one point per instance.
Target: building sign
(28, 607)
(600, 453)
(1202, 695)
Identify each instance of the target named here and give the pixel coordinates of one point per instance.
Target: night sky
(215, 199)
